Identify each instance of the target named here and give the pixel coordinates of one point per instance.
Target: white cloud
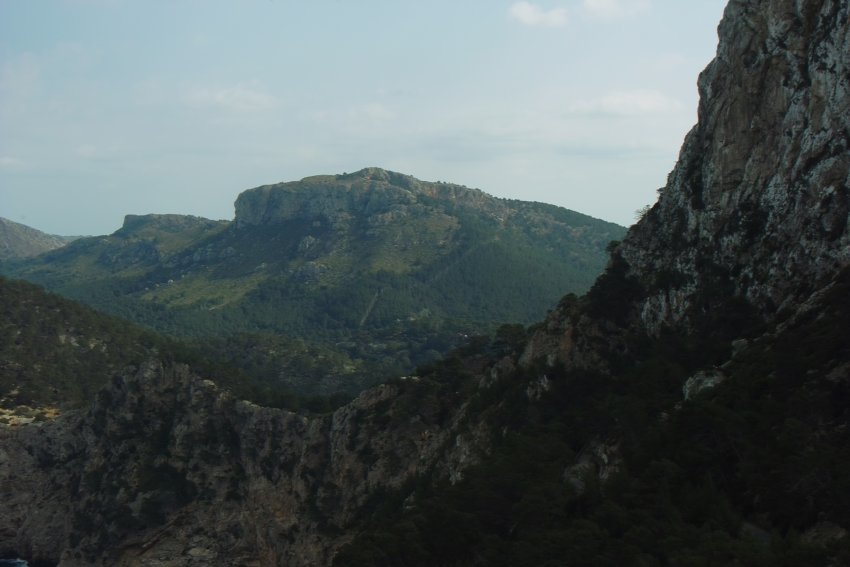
(628, 103)
(533, 15)
(614, 8)
(238, 98)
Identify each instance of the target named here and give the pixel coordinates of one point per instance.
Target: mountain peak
(379, 174)
(371, 190)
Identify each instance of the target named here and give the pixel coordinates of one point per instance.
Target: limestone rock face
(381, 196)
(166, 469)
(759, 199)
(36, 493)
(702, 380)
(755, 210)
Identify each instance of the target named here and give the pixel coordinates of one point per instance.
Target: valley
(689, 404)
(335, 282)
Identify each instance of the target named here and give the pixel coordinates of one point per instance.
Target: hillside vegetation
(21, 241)
(621, 468)
(372, 273)
(59, 353)
(692, 409)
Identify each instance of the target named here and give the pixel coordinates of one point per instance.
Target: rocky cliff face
(166, 469)
(371, 191)
(754, 217)
(758, 203)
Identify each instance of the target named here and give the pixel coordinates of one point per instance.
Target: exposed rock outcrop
(758, 204)
(166, 469)
(753, 223)
(755, 217)
(373, 192)
(702, 380)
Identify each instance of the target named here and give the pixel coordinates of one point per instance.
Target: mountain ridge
(20, 241)
(379, 270)
(572, 441)
(371, 189)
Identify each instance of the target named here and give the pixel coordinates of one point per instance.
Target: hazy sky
(109, 107)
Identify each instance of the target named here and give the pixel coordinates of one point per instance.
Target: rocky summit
(372, 191)
(690, 409)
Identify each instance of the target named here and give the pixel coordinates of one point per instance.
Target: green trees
(752, 472)
(375, 270)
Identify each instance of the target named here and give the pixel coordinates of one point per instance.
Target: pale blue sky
(109, 107)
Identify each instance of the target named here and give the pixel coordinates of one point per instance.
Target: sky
(114, 107)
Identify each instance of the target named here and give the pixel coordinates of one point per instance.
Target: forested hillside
(56, 354)
(372, 273)
(691, 409)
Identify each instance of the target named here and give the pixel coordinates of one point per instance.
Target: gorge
(569, 443)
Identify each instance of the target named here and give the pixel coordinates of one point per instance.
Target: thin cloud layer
(10, 162)
(533, 15)
(238, 98)
(614, 8)
(511, 96)
(373, 111)
(628, 103)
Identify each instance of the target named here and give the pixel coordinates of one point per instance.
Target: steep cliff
(691, 409)
(754, 217)
(370, 191)
(166, 469)
(758, 203)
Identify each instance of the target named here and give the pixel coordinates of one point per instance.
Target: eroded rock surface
(166, 469)
(758, 202)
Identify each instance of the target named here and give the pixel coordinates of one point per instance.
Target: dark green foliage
(406, 270)
(58, 352)
(734, 476)
(614, 292)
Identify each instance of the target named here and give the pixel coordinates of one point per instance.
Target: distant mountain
(21, 241)
(693, 408)
(375, 266)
